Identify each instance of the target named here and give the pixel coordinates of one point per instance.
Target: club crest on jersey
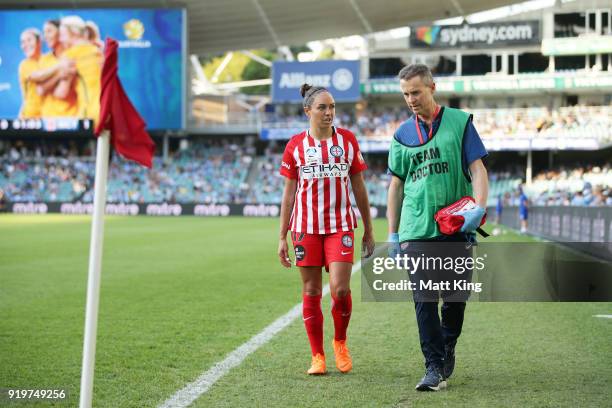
(336, 151)
(347, 241)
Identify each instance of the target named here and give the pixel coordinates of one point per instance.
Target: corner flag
(120, 122)
(117, 114)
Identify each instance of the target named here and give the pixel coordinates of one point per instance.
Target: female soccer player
(31, 46)
(316, 207)
(48, 76)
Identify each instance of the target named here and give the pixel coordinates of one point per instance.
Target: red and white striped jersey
(322, 168)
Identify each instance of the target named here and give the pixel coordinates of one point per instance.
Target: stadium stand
(31, 175)
(491, 123)
(227, 171)
(207, 172)
(204, 173)
(579, 186)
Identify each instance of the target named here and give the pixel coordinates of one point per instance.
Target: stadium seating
(490, 123)
(225, 172)
(203, 173)
(44, 179)
(500, 187)
(268, 187)
(576, 186)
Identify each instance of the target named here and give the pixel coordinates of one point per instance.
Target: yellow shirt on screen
(53, 107)
(88, 60)
(32, 101)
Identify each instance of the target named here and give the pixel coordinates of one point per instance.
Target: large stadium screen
(51, 60)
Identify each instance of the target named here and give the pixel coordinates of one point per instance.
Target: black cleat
(432, 381)
(449, 361)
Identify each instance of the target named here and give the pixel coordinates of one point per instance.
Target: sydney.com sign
(340, 77)
(476, 35)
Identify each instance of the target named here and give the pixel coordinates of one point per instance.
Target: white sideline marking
(604, 316)
(192, 391)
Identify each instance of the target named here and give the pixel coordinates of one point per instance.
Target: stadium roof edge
(223, 25)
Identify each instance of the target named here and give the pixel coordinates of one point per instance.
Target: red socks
(341, 312)
(313, 321)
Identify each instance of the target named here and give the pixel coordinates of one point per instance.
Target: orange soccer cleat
(344, 362)
(318, 365)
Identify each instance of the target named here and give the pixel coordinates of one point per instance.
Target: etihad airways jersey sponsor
(322, 169)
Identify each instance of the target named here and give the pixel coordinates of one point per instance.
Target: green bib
(433, 175)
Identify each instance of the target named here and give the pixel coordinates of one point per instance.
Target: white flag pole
(95, 266)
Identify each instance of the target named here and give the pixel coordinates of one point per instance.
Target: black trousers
(437, 332)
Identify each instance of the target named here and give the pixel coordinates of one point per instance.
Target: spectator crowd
(491, 123)
(225, 171)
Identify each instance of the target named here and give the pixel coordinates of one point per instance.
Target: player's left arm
(363, 203)
(41, 75)
(48, 85)
(361, 198)
(360, 192)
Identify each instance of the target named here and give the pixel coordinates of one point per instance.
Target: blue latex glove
(394, 246)
(473, 217)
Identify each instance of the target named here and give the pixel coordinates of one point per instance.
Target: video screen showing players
(51, 63)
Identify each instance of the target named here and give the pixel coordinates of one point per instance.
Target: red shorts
(321, 249)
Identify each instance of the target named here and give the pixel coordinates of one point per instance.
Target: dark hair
(308, 92)
(421, 70)
(54, 22)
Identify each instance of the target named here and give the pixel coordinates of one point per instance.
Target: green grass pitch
(178, 294)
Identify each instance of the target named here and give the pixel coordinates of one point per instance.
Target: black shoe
(432, 381)
(449, 361)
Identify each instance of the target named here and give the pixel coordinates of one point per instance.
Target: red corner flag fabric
(117, 114)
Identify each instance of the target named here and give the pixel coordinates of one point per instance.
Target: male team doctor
(435, 159)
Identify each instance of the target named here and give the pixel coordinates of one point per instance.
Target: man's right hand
(473, 218)
(394, 245)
